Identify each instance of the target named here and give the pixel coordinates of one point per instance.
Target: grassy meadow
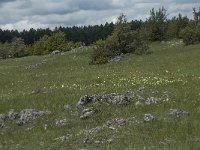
(63, 79)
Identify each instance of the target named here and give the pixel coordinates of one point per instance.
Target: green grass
(66, 78)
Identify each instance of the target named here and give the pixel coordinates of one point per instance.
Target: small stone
(138, 104)
(109, 140)
(36, 91)
(178, 112)
(87, 112)
(67, 107)
(166, 142)
(196, 139)
(97, 142)
(87, 141)
(63, 138)
(91, 131)
(61, 123)
(115, 58)
(45, 126)
(152, 100)
(148, 118)
(112, 128)
(18, 146)
(141, 89)
(29, 129)
(56, 52)
(116, 122)
(35, 66)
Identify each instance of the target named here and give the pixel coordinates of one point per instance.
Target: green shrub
(57, 41)
(47, 44)
(123, 40)
(17, 48)
(4, 50)
(189, 35)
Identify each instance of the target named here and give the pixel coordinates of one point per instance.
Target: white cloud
(25, 14)
(23, 24)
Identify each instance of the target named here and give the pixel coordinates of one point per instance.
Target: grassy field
(65, 78)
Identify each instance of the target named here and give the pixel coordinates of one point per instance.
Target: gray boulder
(28, 115)
(113, 98)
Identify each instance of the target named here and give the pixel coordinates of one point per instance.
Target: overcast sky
(26, 14)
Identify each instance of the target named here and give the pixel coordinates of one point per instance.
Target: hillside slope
(164, 87)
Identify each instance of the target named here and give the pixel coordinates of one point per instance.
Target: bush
(57, 41)
(189, 35)
(4, 50)
(17, 48)
(2, 54)
(47, 44)
(123, 40)
(102, 51)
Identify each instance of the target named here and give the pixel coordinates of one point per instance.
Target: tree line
(85, 34)
(123, 35)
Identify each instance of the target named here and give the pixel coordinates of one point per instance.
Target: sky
(26, 14)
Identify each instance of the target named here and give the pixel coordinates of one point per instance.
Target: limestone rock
(152, 100)
(114, 98)
(3, 117)
(61, 123)
(28, 115)
(12, 114)
(116, 122)
(88, 112)
(68, 107)
(85, 100)
(56, 52)
(178, 112)
(1, 123)
(148, 118)
(115, 58)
